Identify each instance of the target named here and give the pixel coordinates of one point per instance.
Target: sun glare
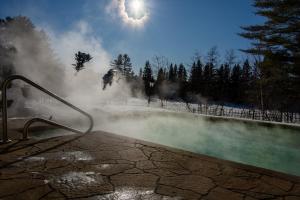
(136, 6)
(137, 9)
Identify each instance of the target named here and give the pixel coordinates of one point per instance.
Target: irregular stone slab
(221, 193)
(145, 164)
(133, 155)
(80, 184)
(134, 180)
(280, 183)
(177, 193)
(198, 184)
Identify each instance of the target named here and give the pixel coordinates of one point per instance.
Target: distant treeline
(202, 82)
(270, 82)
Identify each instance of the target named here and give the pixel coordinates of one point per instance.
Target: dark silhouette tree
(175, 74)
(235, 86)
(124, 66)
(81, 58)
(127, 67)
(193, 78)
(159, 85)
(246, 83)
(278, 41)
(196, 79)
(182, 80)
(171, 73)
(148, 80)
(117, 63)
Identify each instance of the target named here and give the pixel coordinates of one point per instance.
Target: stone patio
(101, 165)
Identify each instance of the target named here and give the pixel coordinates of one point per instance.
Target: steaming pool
(268, 146)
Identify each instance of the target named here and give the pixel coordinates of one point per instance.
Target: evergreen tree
(175, 74)
(196, 79)
(171, 73)
(199, 79)
(182, 79)
(226, 82)
(193, 78)
(182, 75)
(124, 66)
(246, 81)
(220, 84)
(206, 80)
(148, 80)
(235, 84)
(209, 80)
(81, 58)
(278, 41)
(159, 87)
(127, 67)
(141, 73)
(117, 64)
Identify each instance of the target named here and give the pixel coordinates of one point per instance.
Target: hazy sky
(174, 28)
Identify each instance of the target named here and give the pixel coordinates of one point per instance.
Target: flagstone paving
(101, 165)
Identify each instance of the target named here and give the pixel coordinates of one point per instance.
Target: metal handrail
(28, 123)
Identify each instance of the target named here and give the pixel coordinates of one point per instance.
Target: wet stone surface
(106, 166)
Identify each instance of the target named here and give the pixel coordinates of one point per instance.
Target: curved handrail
(4, 108)
(37, 119)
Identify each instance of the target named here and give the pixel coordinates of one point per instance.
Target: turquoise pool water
(272, 148)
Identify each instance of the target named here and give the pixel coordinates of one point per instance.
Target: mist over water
(268, 147)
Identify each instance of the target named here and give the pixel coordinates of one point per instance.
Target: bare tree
(230, 57)
(213, 56)
(159, 62)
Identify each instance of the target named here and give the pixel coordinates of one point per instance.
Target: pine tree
(206, 80)
(175, 74)
(81, 58)
(148, 80)
(124, 66)
(220, 84)
(246, 81)
(127, 67)
(196, 79)
(182, 75)
(159, 89)
(235, 84)
(278, 41)
(193, 79)
(182, 79)
(171, 73)
(141, 73)
(117, 64)
(199, 79)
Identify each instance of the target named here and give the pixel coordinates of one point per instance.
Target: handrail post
(4, 113)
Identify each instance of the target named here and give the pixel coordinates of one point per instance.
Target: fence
(218, 110)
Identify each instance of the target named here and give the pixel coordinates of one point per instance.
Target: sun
(134, 12)
(137, 9)
(136, 6)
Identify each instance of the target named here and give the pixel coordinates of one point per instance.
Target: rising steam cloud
(85, 87)
(52, 68)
